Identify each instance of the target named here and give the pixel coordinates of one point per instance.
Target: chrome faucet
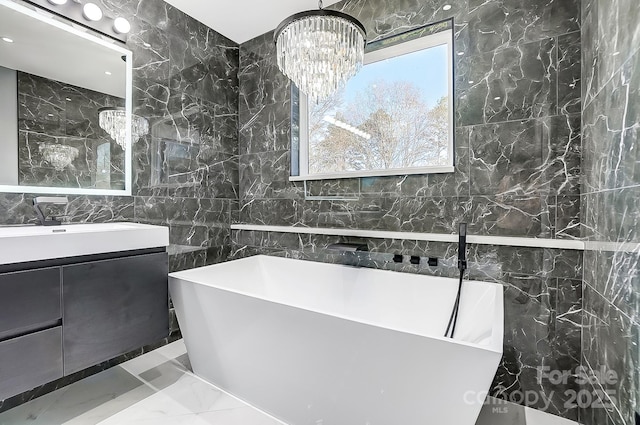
(55, 200)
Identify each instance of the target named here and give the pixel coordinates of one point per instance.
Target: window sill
(376, 173)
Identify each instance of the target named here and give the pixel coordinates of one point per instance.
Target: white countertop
(21, 244)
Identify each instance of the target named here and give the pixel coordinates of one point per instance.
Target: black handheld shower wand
(462, 247)
(462, 266)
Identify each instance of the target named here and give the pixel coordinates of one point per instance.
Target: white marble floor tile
(242, 416)
(159, 389)
(536, 417)
(156, 388)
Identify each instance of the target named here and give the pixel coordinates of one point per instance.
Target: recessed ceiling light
(121, 26)
(7, 40)
(460, 53)
(447, 7)
(92, 12)
(107, 73)
(497, 98)
(58, 2)
(471, 82)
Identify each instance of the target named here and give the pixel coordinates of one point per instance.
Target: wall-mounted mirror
(65, 107)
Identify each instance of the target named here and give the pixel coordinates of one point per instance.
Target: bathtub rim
(497, 333)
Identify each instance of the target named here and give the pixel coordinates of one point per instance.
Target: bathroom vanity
(77, 295)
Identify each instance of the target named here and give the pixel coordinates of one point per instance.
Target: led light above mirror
(92, 12)
(121, 26)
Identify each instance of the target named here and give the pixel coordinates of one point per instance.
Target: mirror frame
(50, 18)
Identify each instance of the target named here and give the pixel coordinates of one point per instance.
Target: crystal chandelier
(114, 121)
(319, 50)
(60, 156)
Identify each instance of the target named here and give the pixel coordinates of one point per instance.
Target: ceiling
(242, 20)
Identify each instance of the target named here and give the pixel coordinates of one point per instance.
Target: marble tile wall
(611, 208)
(186, 85)
(185, 82)
(51, 112)
(518, 149)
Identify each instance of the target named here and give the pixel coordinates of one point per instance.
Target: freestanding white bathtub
(323, 344)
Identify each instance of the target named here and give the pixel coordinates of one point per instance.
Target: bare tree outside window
(395, 115)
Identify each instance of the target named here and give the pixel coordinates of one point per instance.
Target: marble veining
(517, 172)
(610, 213)
(185, 82)
(546, 146)
(51, 112)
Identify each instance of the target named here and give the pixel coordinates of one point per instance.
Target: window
(394, 117)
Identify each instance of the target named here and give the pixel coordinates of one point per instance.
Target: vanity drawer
(29, 301)
(29, 361)
(112, 307)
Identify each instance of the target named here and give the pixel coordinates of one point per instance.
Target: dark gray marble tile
(210, 74)
(433, 214)
(616, 38)
(609, 210)
(511, 83)
(589, 51)
(616, 276)
(505, 158)
(266, 175)
(507, 215)
(366, 213)
(611, 159)
(82, 209)
(150, 47)
(496, 24)
(568, 219)
(264, 109)
(560, 172)
(610, 343)
(275, 212)
(339, 188)
(544, 344)
(569, 74)
(383, 19)
(620, 222)
(185, 259)
(258, 49)
(182, 210)
(150, 99)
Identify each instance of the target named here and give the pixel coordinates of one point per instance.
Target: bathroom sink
(20, 244)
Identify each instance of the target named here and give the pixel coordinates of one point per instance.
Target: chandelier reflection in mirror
(319, 50)
(113, 120)
(60, 156)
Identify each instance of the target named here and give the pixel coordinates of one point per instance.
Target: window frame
(300, 110)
